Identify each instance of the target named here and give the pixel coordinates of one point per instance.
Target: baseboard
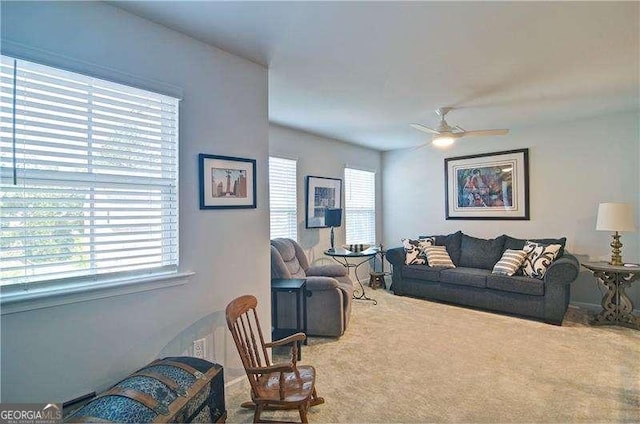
(594, 307)
(234, 381)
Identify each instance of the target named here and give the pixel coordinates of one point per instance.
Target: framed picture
(227, 182)
(321, 193)
(488, 186)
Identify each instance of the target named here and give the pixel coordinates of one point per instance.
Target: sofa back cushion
(518, 244)
(480, 253)
(452, 243)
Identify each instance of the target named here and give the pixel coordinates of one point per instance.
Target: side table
(617, 307)
(342, 257)
(296, 286)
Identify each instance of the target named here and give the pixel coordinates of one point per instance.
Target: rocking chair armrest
(287, 340)
(271, 368)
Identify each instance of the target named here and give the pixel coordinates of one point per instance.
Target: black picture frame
(321, 193)
(488, 186)
(227, 182)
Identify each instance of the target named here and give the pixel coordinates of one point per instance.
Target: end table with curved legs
(617, 307)
(342, 256)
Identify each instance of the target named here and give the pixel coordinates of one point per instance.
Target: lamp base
(332, 240)
(616, 245)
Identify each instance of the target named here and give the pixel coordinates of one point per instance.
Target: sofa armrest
(329, 270)
(396, 256)
(321, 283)
(563, 271)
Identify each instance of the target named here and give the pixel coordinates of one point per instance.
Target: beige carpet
(410, 360)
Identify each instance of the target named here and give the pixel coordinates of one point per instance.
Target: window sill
(14, 300)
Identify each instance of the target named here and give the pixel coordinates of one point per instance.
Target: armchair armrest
(396, 256)
(329, 270)
(297, 337)
(321, 283)
(272, 368)
(563, 271)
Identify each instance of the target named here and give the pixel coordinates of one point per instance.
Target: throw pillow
(539, 258)
(510, 262)
(453, 244)
(414, 250)
(438, 256)
(518, 244)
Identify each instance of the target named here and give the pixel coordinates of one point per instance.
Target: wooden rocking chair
(273, 386)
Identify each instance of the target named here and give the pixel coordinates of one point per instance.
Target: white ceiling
(362, 71)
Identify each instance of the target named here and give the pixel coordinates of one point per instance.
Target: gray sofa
(471, 283)
(329, 286)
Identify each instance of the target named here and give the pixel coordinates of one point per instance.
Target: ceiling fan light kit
(442, 140)
(446, 135)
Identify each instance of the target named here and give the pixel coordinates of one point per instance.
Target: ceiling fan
(445, 134)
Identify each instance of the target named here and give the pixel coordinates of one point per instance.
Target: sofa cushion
(414, 250)
(518, 244)
(421, 272)
(452, 243)
(539, 258)
(480, 253)
(515, 284)
(474, 277)
(510, 262)
(437, 256)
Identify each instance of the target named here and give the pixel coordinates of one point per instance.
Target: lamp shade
(333, 217)
(615, 217)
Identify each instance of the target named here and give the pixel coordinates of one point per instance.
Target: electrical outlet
(200, 348)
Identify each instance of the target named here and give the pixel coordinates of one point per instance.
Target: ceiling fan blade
(485, 132)
(422, 128)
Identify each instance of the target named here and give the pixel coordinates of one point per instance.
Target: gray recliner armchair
(330, 288)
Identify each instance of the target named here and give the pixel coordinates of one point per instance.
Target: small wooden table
(617, 307)
(296, 286)
(376, 279)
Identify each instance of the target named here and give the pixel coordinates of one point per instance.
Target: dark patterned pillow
(539, 258)
(414, 250)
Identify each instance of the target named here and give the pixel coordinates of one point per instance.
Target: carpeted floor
(409, 360)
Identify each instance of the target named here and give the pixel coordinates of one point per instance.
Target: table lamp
(332, 218)
(615, 217)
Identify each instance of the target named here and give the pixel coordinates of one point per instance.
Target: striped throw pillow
(510, 261)
(438, 256)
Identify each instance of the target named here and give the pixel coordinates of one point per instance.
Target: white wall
(55, 354)
(573, 167)
(323, 157)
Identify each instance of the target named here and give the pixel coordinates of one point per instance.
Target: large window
(360, 206)
(282, 198)
(89, 177)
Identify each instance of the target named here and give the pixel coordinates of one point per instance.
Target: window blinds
(360, 206)
(89, 176)
(282, 198)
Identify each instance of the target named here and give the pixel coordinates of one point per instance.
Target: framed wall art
(321, 193)
(227, 182)
(488, 186)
